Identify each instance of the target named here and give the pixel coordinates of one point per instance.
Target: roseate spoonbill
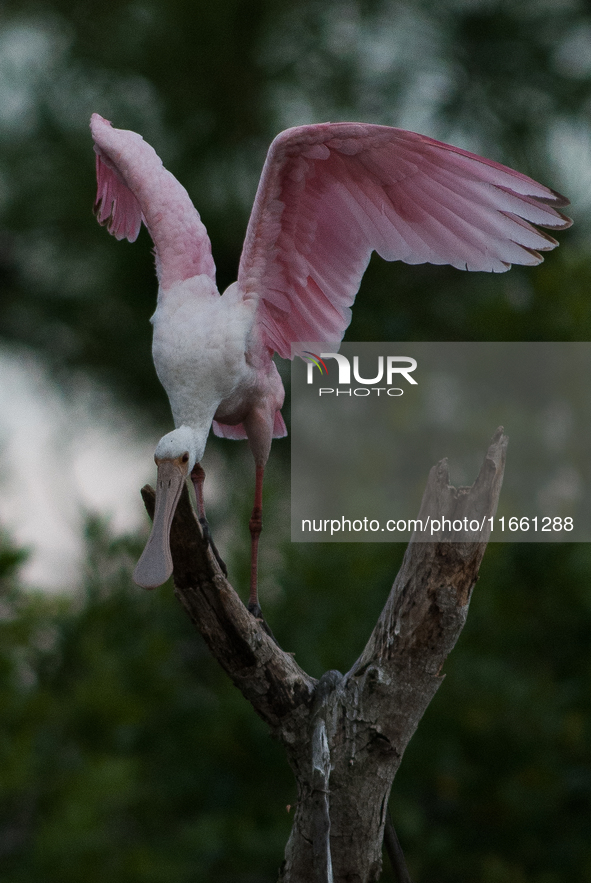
(329, 195)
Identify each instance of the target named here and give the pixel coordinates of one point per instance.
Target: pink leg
(198, 477)
(256, 525)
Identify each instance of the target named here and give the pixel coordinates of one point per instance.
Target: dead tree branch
(345, 734)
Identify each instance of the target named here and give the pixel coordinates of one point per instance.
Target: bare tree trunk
(345, 734)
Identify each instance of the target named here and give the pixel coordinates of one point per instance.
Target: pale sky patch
(62, 455)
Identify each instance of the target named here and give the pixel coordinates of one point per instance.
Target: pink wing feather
(330, 194)
(115, 206)
(133, 186)
(237, 432)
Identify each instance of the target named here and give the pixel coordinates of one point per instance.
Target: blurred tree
(123, 752)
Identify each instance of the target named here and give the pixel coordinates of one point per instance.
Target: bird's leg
(198, 477)
(256, 525)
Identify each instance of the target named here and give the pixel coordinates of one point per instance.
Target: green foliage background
(124, 753)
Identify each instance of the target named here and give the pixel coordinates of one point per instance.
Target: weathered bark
(345, 734)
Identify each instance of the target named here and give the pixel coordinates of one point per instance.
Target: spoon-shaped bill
(155, 564)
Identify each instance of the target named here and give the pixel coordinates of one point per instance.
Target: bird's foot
(209, 539)
(255, 609)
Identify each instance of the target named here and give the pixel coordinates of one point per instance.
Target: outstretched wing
(330, 194)
(133, 186)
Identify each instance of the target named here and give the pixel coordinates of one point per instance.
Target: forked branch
(345, 734)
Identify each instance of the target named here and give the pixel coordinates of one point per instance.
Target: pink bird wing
(237, 432)
(225, 430)
(116, 206)
(330, 194)
(133, 186)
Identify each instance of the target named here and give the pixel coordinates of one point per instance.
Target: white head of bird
(329, 195)
(181, 446)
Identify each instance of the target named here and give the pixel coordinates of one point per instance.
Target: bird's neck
(199, 348)
(194, 290)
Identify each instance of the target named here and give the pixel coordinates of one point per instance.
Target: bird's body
(200, 347)
(329, 195)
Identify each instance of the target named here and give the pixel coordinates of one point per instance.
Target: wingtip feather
(115, 206)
